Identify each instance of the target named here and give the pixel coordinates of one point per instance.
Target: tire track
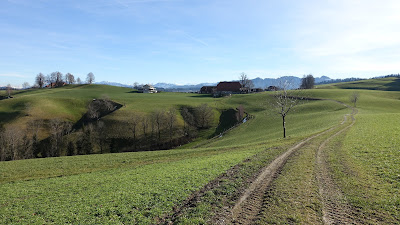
(249, 205)
(335, 208)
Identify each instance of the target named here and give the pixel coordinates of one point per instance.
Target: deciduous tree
(158, 117)
(284, 100)
(40, 79)
(134, 123)
(90, 78)
(69, 78)
(25, 85)
(170, 122)
(354, 98)
(204, 115)
(245, 81)
(307, 82)
(9, 90)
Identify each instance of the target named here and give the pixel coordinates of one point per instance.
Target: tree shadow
(201, 96)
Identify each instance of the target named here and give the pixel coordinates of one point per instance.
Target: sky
(196, 41)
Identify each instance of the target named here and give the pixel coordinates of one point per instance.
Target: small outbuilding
(147, 89)
(208, 89)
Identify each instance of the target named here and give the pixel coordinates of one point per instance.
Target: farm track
(249, 205)
(335, 208)
(250, 201)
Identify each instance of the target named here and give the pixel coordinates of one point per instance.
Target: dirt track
(335, 209)
(250, 201)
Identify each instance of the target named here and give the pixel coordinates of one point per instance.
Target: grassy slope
(367, 164)
(114, 188)
(364, 161)
(383, 84)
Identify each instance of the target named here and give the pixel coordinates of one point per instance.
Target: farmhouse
(208, 89)
(147, 89)
(272, 88)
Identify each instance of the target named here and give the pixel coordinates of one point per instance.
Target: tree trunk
(284, 127)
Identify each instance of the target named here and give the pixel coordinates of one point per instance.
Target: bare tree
(188, 120)
(11, 141)
(307, 82)
(40, 79)
(57, 128)
(78, 81)
(56, 79)
(158, 118)
(9, 90)
(93, 111)
(284, 100)
(101, 135)
(134, 123)
(90, 78)
(145, 124)
(25, 85)
(136, 85)
(170, 122)
(354, 97)
(204, 115)
(69, 78)
(245, 81)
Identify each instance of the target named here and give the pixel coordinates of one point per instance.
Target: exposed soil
(335, 208)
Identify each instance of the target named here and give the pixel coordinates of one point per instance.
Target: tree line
(57, 79)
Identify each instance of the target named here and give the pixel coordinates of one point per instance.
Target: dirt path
(335, 208)
(250, 203)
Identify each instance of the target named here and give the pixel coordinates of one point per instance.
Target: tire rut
(335, 208)
(250, 203)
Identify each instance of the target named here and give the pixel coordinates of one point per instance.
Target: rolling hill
(201, 183)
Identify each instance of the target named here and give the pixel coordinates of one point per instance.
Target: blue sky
(182, 41)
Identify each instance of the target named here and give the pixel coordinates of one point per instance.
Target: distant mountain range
(258, 83)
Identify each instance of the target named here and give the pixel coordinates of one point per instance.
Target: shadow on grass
(201, 96)
(226, 120)
(6, 117)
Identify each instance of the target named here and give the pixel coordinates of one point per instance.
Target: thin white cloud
(195, 39)
(13, 75)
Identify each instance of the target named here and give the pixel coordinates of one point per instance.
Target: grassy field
(363, 161)
(141, 187)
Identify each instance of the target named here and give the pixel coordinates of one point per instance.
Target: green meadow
(142, 187)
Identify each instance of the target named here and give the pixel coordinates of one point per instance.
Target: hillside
(383, 84)
(202, 183)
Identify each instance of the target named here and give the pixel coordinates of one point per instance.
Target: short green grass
(125, 194)
(138, 187)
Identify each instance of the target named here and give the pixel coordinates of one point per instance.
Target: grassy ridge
(383, 84)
